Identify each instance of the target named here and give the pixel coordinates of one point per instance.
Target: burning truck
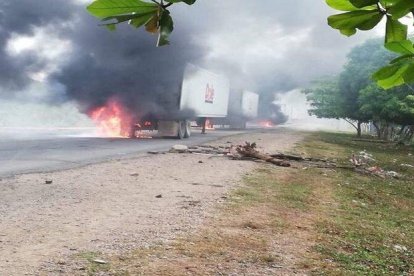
(202, 94)
(201, 98)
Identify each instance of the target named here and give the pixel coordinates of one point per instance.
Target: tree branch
(351, 123)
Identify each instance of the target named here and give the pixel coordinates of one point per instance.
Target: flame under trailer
(243, 107)
(203, 95)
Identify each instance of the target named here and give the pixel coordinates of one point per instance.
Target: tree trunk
(378, 129)
(359, 131)
(401, 130)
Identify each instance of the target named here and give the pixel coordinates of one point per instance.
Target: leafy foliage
(365, 15)
(324, 98)
(381, 105)
(355, 97)
(154, 16)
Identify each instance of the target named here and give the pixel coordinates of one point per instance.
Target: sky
(52, 52)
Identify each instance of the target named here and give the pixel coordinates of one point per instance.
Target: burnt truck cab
(203, 94)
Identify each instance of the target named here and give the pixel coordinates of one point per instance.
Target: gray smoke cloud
(20, 18)
(267, 46)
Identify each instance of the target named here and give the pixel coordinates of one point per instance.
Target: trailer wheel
(187, 132)
(181, 130)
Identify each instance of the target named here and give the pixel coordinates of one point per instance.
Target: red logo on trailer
(209, 97)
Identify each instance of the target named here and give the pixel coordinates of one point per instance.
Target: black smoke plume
(127, 65)
(124, 64)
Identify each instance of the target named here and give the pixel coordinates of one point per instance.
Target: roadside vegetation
(302, 220)
(355, 97)
(367, 225)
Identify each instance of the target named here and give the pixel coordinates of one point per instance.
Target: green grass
(93, 268)
(264, 187)
(374, 217)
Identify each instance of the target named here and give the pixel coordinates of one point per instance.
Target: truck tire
(187, 132)
(181, 130)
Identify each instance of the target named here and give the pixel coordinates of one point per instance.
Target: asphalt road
(41, 153)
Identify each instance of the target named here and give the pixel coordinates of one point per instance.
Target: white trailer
(243, 106)
(249, 105)
(203, 94)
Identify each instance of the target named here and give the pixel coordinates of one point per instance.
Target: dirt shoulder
(115, 207)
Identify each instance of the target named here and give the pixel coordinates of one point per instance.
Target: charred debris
(361, 163)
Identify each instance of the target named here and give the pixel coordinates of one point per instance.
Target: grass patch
(371, 229)
(266, 187)
(92, 267)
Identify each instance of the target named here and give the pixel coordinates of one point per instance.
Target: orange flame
(266, 124)
(209, 125)
(112, 120)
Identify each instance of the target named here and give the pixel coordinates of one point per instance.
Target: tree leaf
(408, 75)
(363, 3)
(111, 26)
(128, 17)
(166, 27)
(386, 72)
(141, 20)
(107, 8)
(395, 31)
(350, 21)
(405, 58)
(341, 5)
(188, 2)
(152, 24)
(401, 8)
(404, 47)
(391, 76)
(348, 32)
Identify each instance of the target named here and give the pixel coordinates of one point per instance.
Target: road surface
(26, 155)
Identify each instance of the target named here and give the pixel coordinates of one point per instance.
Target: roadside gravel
(116, 206)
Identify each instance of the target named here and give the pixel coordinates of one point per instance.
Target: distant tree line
(355, 97)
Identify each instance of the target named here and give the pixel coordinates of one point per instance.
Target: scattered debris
(301, 159)
(407, 165)
(48, 181)
(153, 152)
(392, 174)
(179, 148)
(373, 141)
(249, 150)
(191, 203)
(134, 174)
(158, 196)
(99, 261)
(216, 186)
(362, 162)
(362, 158)
(400, 248)
(200, 162)
(359, 203)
